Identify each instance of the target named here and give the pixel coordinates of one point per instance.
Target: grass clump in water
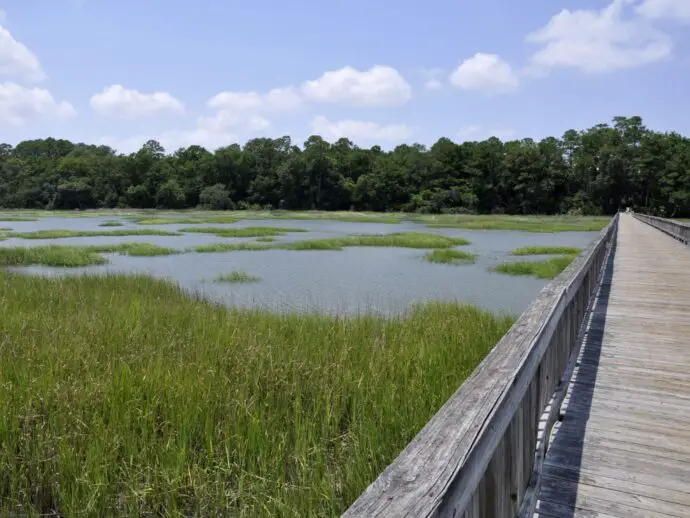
(399, 239)
(450, 257)
(193, 220)
(546, 269)
(128, 397)
(4, 217)
(265, 239)
(236, 276)
(244, 232)
(58, 233)
(111, 224)
(135, 249)
(522, 223)
(229, 247)
(53, 255)
(547, 250)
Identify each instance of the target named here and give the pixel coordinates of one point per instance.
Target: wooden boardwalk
(623, 447)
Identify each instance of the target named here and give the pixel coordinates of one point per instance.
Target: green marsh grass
(75, 256)
(547, 250)
(52, 255)
(193, 220)
(5, 217)
(59, 233)
(122, 396)
(236, 276)
(265, 239)
(522, 223)
(545, 269)
(449, 256)
(229, 247)
(399, 239)
(111, 224)
(135, 249)
(244, 232)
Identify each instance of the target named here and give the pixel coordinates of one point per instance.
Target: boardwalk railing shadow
(566, 447)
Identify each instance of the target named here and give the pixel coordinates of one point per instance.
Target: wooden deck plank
(623, 448)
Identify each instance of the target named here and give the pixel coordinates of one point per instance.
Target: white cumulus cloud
(433, 84)
(359, 130)
(277, 99)
(378, 86)
(16, 60)
(485, 72)
(20, 105)
(597, 41)
(118, 101)
(678, 10)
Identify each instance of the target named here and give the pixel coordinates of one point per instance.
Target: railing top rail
(685, 224)
(453, 441)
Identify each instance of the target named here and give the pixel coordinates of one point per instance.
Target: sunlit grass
(200, 219)
(122, 396)
(243, 232)
(545, 269)
(75, 256)
(449, 256)
(229, 247)
(547, 250)
(135, 249)
(62, 233)
(5, 217)
(236, 276)
(522, 223)
(399, 239)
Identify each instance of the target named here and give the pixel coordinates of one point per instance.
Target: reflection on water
(384, 280)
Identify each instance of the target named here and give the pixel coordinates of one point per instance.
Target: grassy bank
(244, 232)
(236, 276)
(545, 269)
(522, 223)
(229, 247)
(449, 257)
(75, 256)
(125, 397)
(399, 239)
(547, 250)
(61, 233)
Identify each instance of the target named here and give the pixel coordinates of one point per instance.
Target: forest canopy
(594, 171)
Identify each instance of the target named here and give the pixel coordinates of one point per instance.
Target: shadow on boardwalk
(558, 492)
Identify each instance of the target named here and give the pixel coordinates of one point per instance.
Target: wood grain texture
(623, 446)
(675, 229)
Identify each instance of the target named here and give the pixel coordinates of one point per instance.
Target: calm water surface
(384, 280)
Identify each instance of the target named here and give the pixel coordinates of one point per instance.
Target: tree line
(595, 171)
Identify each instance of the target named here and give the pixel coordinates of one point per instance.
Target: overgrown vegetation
(74, 256)
(236, 276)
(197, 219)
(244, 232)
(125, 397)
(522, 223)
(595, 171)
(544, 269)
(229, 247)
(547, 250)
(450, 257)
(398, 239)
(59, 233)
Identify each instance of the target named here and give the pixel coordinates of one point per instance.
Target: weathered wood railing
(676, 229)
(481, 454)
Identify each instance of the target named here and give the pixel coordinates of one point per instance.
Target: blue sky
(214, 72)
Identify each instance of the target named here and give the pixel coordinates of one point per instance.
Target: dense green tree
(595, 171)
